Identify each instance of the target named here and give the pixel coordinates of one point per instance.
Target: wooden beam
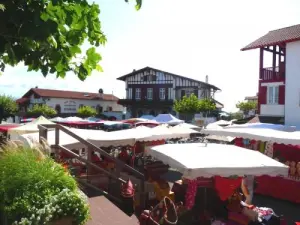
(274, 61)
(271, 50)
(261, 62)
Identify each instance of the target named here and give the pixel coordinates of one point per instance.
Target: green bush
(36, 190)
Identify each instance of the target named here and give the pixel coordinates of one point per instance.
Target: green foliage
(8, 107)
(138, 4)
(36, 190)
(246, 106)
(207, 105)
(187, 105)
(42, 110)
(236, 116)
(86, 111)
(192, 105)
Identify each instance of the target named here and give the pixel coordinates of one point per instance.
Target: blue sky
(192, 38)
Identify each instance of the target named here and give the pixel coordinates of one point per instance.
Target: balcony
(146, 102)
(267, 74)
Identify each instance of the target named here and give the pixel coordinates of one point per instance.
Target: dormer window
(86, 95)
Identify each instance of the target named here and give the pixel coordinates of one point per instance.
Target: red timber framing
(277, 71)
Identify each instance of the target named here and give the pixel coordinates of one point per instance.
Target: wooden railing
(120, 166)
(270, 74)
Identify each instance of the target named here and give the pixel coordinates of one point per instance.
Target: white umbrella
(200, 160)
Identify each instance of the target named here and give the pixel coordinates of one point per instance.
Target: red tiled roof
(70, 94)
(22, 100)
(274, 37)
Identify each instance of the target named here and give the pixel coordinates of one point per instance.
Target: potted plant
(36, 190)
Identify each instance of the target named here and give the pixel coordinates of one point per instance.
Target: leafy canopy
(86, 111)
(42, 110)
(246, 106)
(192, 105)
(47, 35)
(8, 107)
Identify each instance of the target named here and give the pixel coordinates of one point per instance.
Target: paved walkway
(290, 210)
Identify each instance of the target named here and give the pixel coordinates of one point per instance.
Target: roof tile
(283, 35)
(71, 94)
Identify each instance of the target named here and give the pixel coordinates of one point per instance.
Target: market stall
(31, 127)
(277, 144)
(167, 119)
(220, 168)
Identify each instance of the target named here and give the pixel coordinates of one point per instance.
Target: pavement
(291, 211)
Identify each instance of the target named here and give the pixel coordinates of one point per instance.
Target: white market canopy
(188, 125)
(105, 139)
(167, 119)
(30, 127)
(263, 126)
(200, 160)
(266, 134)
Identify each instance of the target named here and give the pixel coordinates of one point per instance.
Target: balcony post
(261, 62)
(274, 62)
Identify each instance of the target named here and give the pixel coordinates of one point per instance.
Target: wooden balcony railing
(120, 166)
(267, 74)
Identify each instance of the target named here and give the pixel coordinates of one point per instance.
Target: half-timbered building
(152, 91)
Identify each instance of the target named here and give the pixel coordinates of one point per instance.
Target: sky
(192, 38)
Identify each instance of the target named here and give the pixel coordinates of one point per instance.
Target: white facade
(292, 84)
(272, 108)
(72, 105)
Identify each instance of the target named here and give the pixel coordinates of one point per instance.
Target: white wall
(52, 102)
(271, 110)
(292, 84)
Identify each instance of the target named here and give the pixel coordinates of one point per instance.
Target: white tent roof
(221, 122)
(276, 136)
(73, 119)
(198, 160)
(182, 132)
(57, 119)
(30, 127)
(115, 138)
(168, 119)
(187, 125)
(263, 126)
(147, 117)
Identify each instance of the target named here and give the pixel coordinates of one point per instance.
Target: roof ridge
(284, 28)
(84, 92)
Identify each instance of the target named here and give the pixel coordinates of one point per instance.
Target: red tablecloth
(279, 187)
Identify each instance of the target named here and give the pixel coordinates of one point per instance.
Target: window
(273, 94)
(138, 93)
(149, 93)
(170, 93)
(160, 76)
(162, 93)
(129, 93)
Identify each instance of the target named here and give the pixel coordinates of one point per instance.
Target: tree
(246, 106)
(86, 111)
(8, 107)
(236, 116)
(47, 35)
(187, 105)
(206, 105)
(42, 110)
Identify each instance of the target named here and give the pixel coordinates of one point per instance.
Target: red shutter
(262, 98)
(281, 97)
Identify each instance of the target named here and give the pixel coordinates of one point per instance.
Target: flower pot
(63, 221)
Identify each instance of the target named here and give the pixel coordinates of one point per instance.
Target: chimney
(133, 70)
(206, 79)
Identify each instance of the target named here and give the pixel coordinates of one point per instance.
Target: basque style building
(279, 86)
(152, 91)
(66, 103)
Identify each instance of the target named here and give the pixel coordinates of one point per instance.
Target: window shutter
(281, 96)
(262, 98)
(182, 93)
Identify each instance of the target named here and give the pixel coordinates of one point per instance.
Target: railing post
(43, 133)
(56, 139)
(89, 158)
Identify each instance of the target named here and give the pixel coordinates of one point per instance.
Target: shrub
(36, 190)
